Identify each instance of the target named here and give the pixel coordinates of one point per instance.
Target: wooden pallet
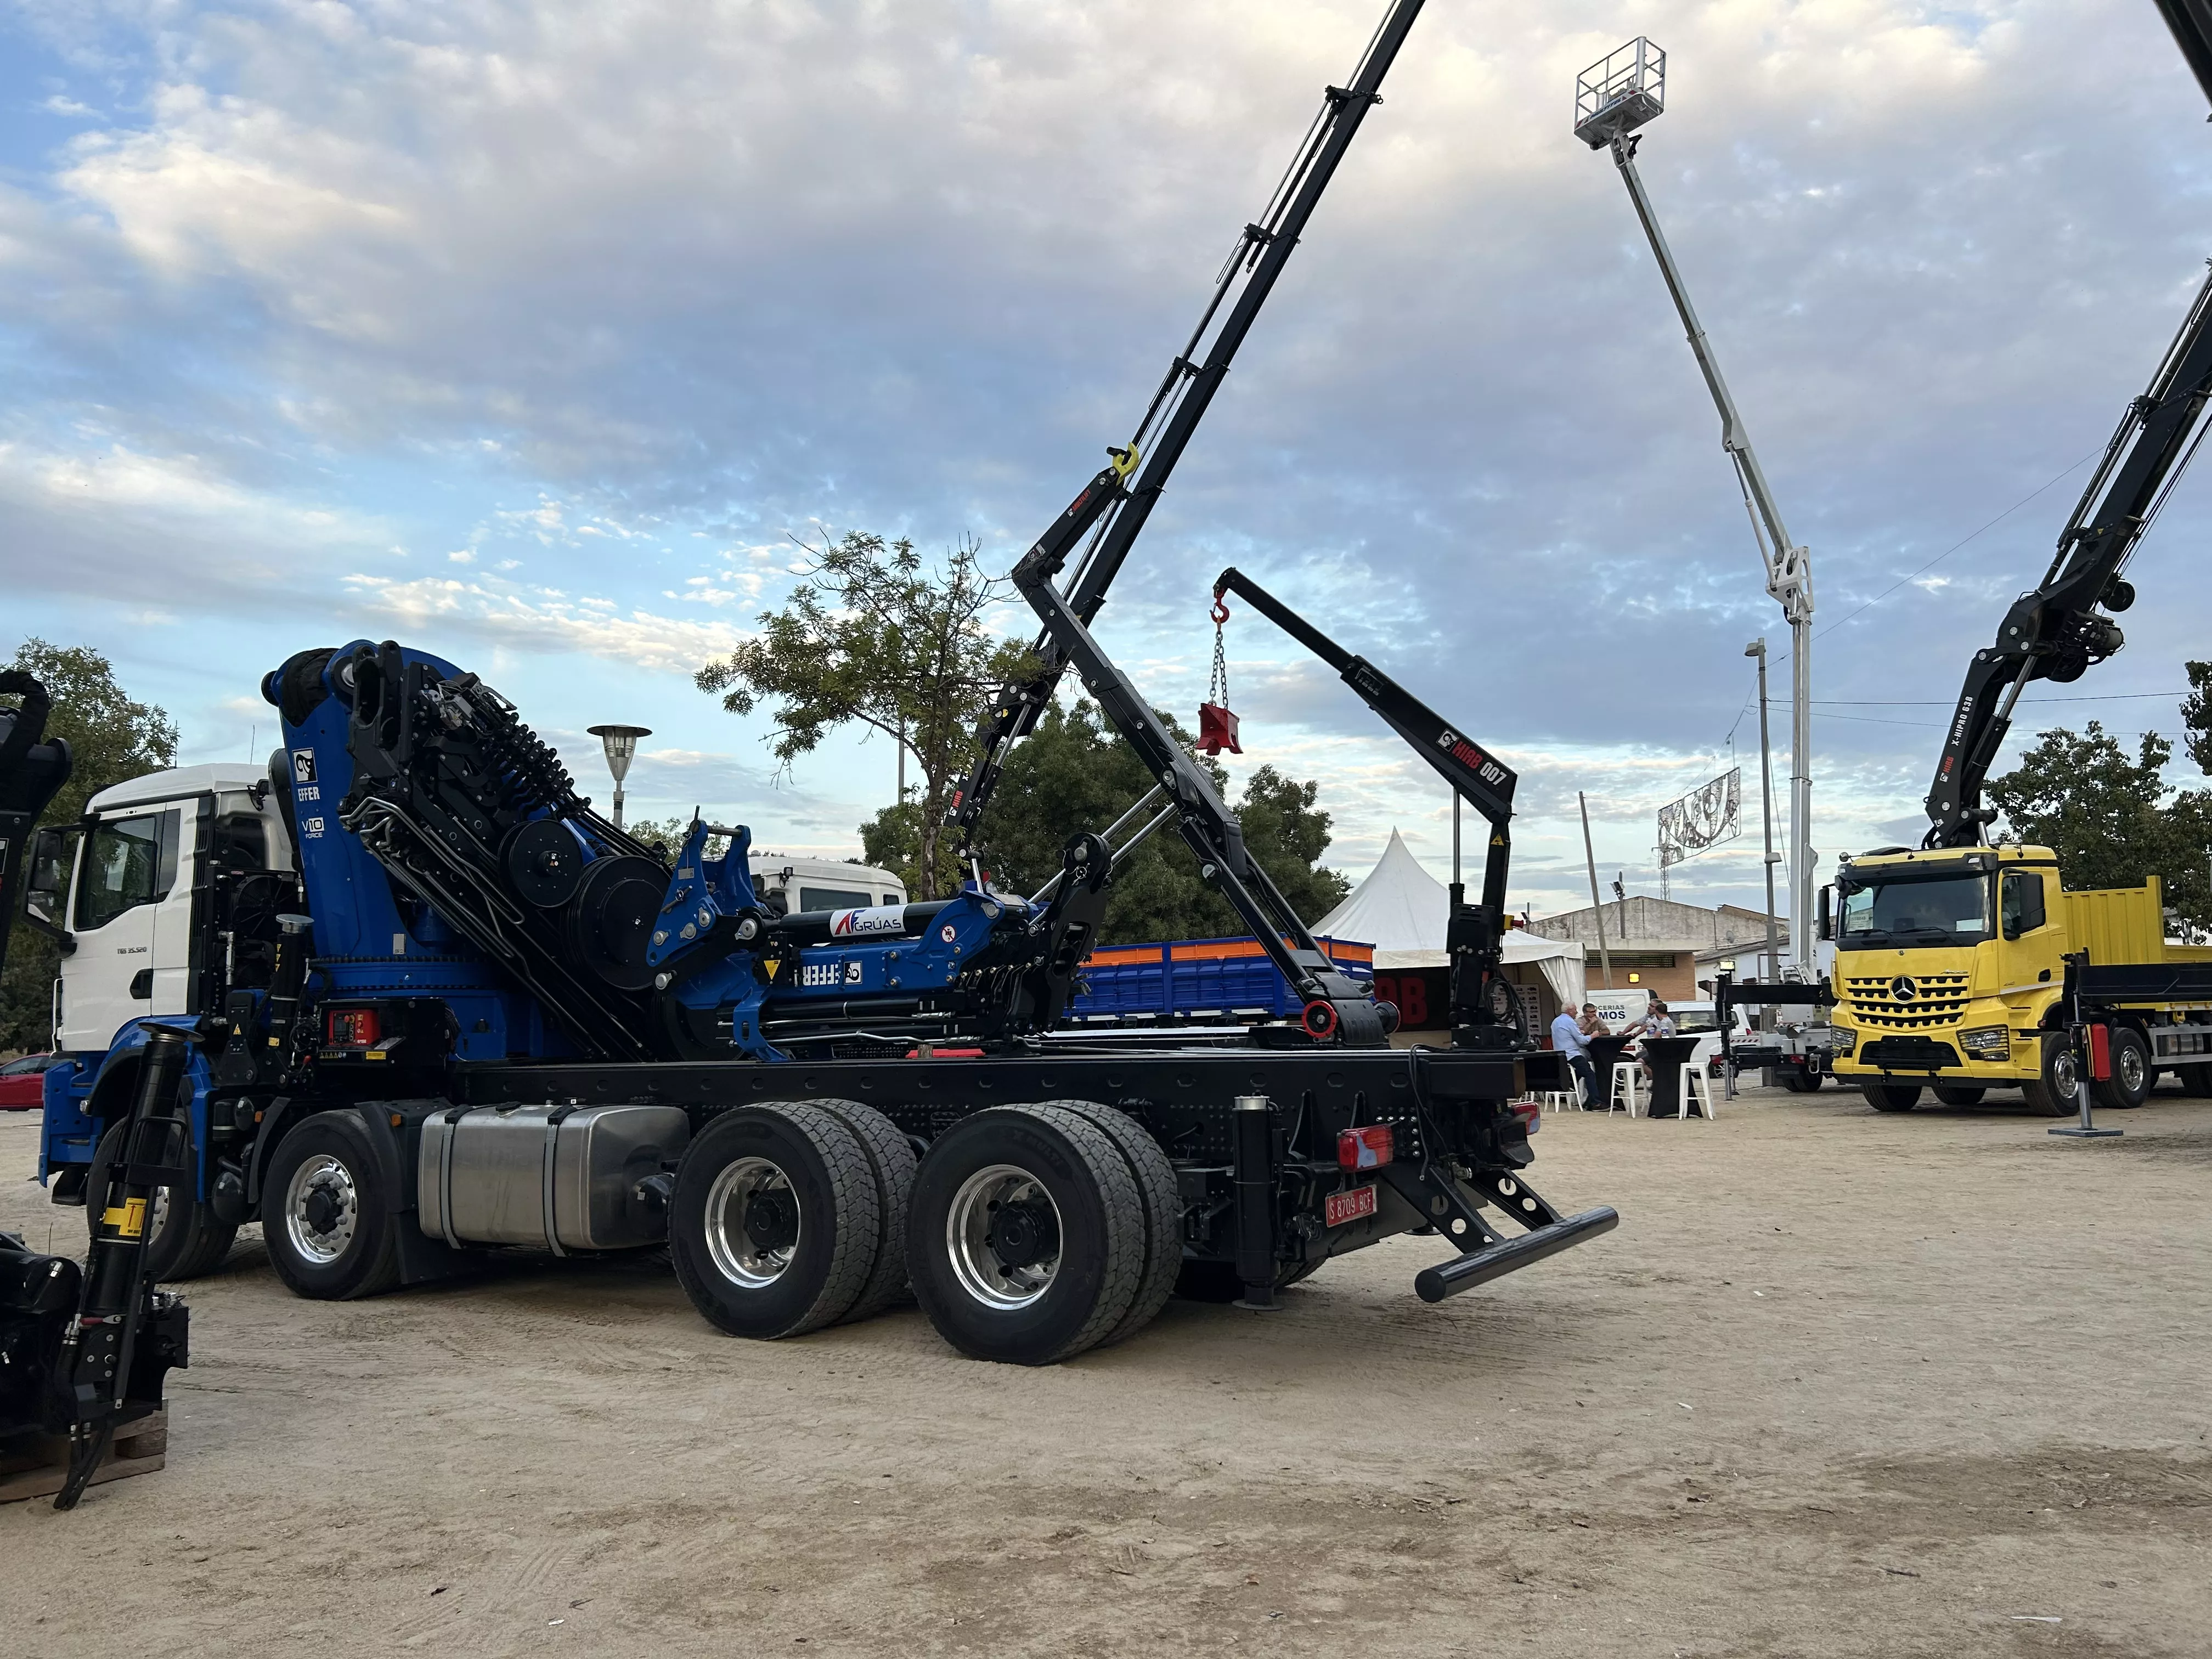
(38, 1469)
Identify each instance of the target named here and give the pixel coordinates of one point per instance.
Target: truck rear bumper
(1505, 1255)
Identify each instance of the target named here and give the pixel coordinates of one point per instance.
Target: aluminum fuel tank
(556, 1177)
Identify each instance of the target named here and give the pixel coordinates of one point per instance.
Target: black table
(1603, 1052)
(1667, 1056)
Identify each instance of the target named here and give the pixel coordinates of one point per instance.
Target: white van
(815, 883)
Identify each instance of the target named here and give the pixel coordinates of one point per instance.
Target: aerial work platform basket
(1619, 93)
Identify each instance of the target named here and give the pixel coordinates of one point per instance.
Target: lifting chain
(1217, 688)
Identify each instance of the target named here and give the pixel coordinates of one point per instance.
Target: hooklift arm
(1111, 510)
(2055, 631)
(1471, 934)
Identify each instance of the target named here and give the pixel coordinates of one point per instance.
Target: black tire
(2053, 1093)
(187, 1237)
(325, 1215)
(1060, 1278)
(1162, 1195)
(2195, 1080)
(187, 1241)
(774, 1225)
(2133, 1075)
(1892, 1096)
(891, 1160)
(1799, 1081)
(1960, 1094)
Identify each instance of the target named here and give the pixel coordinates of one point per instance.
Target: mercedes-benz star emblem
(1903, 988)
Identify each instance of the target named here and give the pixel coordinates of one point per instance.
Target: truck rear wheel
(774, 1225)
(1162, 1198)
(1892, 1096)
(2053, 1093)
(1027, 1241)
(891, 1161)
(1960, 1094)
(187, 1241)
(324, 1215)
(2130, 1084)
(2195, 1080)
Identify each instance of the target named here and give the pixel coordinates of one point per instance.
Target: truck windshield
(1939, 910)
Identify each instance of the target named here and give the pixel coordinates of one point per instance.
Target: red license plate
(1340, 1207)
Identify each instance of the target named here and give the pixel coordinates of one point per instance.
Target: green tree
(112, 739)
(1071, 774)
(872, 636)
(2102, 813)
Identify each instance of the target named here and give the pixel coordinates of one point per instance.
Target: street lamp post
(621, 744)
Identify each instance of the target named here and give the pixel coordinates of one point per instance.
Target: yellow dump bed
(2126, 924)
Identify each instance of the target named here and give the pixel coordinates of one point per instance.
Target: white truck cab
(818, 884)
(134, 893)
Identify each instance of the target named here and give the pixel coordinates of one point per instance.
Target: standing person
(1567, 1031)
(1656, 1023)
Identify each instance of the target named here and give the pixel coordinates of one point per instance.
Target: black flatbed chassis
(1459, 1151)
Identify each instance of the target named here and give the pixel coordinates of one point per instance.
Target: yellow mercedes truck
(1950, 967)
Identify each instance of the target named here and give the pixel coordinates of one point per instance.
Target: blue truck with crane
(423, 1003)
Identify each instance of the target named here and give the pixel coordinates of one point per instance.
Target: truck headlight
(1987, 1042)
(1842, 1039)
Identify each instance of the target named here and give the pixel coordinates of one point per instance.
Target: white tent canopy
(1402, 909)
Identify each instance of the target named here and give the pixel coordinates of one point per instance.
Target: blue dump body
(1186, 977)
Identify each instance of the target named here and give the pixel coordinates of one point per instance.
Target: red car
(23, 1082)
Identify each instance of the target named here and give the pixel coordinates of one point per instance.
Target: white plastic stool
(1696, 1086)
(1627, 1087)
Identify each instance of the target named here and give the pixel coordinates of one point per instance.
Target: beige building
(1670, 949)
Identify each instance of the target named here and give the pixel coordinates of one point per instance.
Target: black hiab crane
(83, 1350)
(2059, 629)
(1111, 510)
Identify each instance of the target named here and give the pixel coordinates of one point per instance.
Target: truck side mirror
(46, 894)
(2021, 906)
(1827, 928)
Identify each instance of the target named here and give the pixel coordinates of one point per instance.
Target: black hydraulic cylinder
(1496, 1260)
(1254, 1128)
(96, 1355)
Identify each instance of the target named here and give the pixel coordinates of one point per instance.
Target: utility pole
(1758, 648)
(1613, 98)
(1597, 905)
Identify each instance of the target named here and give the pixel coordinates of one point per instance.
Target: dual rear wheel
(1028, 1233)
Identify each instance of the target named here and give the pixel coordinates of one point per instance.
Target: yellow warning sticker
(128, 1218)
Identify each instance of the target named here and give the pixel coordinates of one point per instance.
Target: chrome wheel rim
(1003, 1233)
(2131, 1069)
(321, 1177)
(745, 1195)
(2066, 1076)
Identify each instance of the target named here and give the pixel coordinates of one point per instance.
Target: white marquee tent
(1401, 909)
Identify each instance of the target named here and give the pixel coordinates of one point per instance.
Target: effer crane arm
(1111, 509)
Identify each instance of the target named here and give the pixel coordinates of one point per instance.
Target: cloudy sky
(530, 334)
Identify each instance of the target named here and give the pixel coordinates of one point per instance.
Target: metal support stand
(2086, 1128)
(1253, 1127)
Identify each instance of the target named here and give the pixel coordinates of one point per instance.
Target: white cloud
(545, 623)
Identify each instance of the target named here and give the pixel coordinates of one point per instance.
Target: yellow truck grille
(1907, 1002)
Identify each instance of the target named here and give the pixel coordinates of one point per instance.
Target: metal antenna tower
(1613, 98)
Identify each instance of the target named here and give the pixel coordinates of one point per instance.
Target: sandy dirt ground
(1839, 1384)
